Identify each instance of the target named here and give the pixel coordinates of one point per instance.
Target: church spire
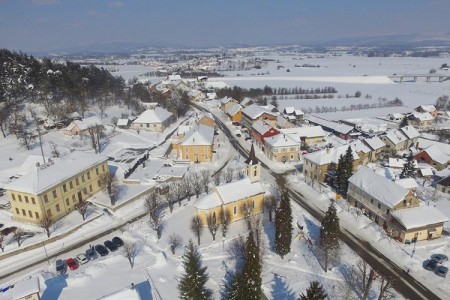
(252, 166)
(252, 160)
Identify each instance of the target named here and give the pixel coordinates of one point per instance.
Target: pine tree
(233, 289)
(329, 234)
(409, 171)
(340, 175)
(283, 226)
(192, 284)
(250, 278)
(348, 158)
(314, 292)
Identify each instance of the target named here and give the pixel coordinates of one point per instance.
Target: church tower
(252, 166)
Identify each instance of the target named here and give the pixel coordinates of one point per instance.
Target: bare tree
(226, 219)
(82, 207)
(211, 221)
(26, 138)
(169, 198)
(38, 130)
(130, 251)
(186, 187)
(205, 178)
(257, 226)
(18, 233)
(92, 130)
(247, 209)
(236, 250)
(178, 191)
(270, 204)
(196, 227)
(55, 152)
(385, 291)
(3, 121)
(98, 134)
(46, 224)
(175, 241)
(347, 287)
(196, 183)
(154, 209)
(217, 178)
(2, 239)
(110, 183)
(228, 175)
(366, 276)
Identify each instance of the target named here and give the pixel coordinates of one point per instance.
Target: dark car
(440, 258)
(61, 267)
(117, 241)
(91, 254)
(441, 271)
(431, 265)
(110, 245)
(101, 250)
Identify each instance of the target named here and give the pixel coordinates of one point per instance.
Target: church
(238, 197)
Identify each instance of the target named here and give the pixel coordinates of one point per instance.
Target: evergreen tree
(192, 284)
(409, 171)
(329, 234)
(404, 122)
(250, 278)
(344, 170)
(340, 175)
(283, 226)
(314, 292)
(234, 290)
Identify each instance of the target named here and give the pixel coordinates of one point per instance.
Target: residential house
(293, 115)
(396, 140)
(246, 102)
(377, 146)
(235, 113)
(239, 198)
(363, 151)
(398, 163)
(431, 109)
(206, 119)
(78, 127)
(253, 113)
(226, 103)
(53, 189)
(299, 115)
(196, 145)
(407, 183)
(411, 133)
(260, 131)
(343, 131)
(196, 95)
(306, 135)
(282, 123)
(420, 119)
(395, 208)
(124, 123)
(27, 289)
(396, 117)
(433, 156)
(282, 148)
(443, 185)
(211, 96)
(316, 164)
(157, 119)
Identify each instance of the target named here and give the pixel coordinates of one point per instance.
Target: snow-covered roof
(208, 201)
(238, 190)
(85, 123)
(157, 115)
(40, 179)
(422, 116)
(126, 293)
(424, 143)
(254, 111)
(341, 128)
(375, 143)
(436, 154)
(211, 96)
(198, 135)
(194, 93)
(281, 140)
(25, 288)
(216, 84)
(427, 108)
(395, 136)
(419, 216)
(359, 146)
(302, 132)
(122, 122)
(330, 155)
(261, 127)
(182, 129)
(246, 101)
(426, 171)
(289, 110)
(234, 109)
(225, 100)
(378, 187)
(397, 115)
(282, 121)
(174, 77)
(410, 132)
(407, 183)
(398, 163)
(31, 162)
(298, 112)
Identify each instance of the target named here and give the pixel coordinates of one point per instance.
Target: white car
(82, 259)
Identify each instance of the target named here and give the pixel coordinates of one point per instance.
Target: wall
(201, 153)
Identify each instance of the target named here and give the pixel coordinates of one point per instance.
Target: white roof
(182, 129)
(234, 109)
(330, 155)
(427, 108)
(341, 128)
(407, 183)
(378, 187)
(30, 162)
(254, 111)
(198, 135)
(246, 101)
(359, 146)
(127, 293)
(424, 143)
(208, 201)
(225, 100)
(157, 115)
(282, 121)
(194, 93)
(423, 116)
(306, 131)
(398, 163)
(40, 179)
(85, 123)
(174, 77)
(410, 132)
(375, 143)
(426, 172)
(261, 127)
(395, 136)
(289, 110)
(298, 112)
(211, 95)
(397, 115)
(281, 140)
(25, 288)
(419, 216)
(122, 122)
(436, 154)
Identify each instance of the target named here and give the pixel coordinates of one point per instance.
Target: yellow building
(196, 145)
(239, 198)
(282, 148)
(207, 119)
(52, 190)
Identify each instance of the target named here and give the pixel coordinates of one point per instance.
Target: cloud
(116, 4)
(45, 2)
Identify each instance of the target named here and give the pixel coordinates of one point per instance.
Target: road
(403, 283)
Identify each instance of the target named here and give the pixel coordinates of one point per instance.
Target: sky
(45, 25)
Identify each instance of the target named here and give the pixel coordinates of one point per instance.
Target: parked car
(91, 254)
(72, 264)
(236, 123)
(441, 271)
(431, 265)
(110, 245)
(440, 258)
(101, 250)
(117, 241)
(61, 267)
(82, 259)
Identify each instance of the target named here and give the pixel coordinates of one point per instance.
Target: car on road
(117, 241)
(72, 264)
(82, 259)
(110, 245)
(101, 250)
(431, 265)
(236, 123)
(440, 258)
(441, 271)
(91, 254)
(61, 267)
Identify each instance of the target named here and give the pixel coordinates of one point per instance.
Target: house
(376, 145)
(411, 133)
(282, 123)
(226, 103)
(289, 110)
(156, 120)
(128, 293)
(408, 183)
(196, 145)
(253, 113)
(235, 113)
(299, 115)
(398, 163)
(420, 119)
(53, 189)
(27, 289)
(427, 109)
(182, 129)
(396, 117)
(78, 127)
(124, 123)
(443, 185)
(206, 119)
(343, 131)
(282, 148)
(306, 135)
(396, 141)
(316, 164)
(196, 95)
(246, 102)
(260, 131)
(239, 198)
(211, 96)
(363, 151)
(432, 155)
(174, 77)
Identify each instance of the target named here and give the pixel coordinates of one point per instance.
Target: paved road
(403, 283)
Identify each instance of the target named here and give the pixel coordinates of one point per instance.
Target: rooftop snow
(399, 163)
(261, 127)
(157, 115)
(424, 143)
(281, 140)
(341, 128)
(127, 293)
(359, 146)
(254, 111)
(234, 109)
(122, 122)
(427, 108)
(30, 162)
(436, 154)
(375, 143)
(238, 190)
(410, 132)
(407, 183)
(396, 136)
(302, 132)
(198, 135)
(330, 155)
(25, 288)
(423, 116)
(85, 123)
(419, 216)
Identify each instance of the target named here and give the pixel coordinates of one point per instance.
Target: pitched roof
(410, 132)
(261, 127)
(378, 187)
(305, 131)
(407, 183)
(427, 108)
(399, 163)
(419, 216)
(254, 111)
(123, 122)
(359, 146)
(281, 140)
(330, 155)
(234, 109)
(445, 181)
(426, 116)
(200, 135)
(252, 160)
(289, 110)
(157, 115)
(395, 136)
(436, 154)
(375, 143)
(341, 128)
(85, 123)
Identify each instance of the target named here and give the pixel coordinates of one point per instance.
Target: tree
(211, 221)
(233, 290)
(270, 205)
(329, 235)
(2, 239)
(192, 285)
(46, 224)
(344, 170)
(274, 101)
(196, 227)
(357, 94)
(169, 198)
(3, 121)
(55, 152)
(314, 292)
(82, 207)
(196, 183)
(228, 175)
(175, 241)
(18, 233)
(130, 251)
(178, 191)
(409, 170)
(283, 226)
(250, 277)
(154, 210)
(110, 184)
(404, 122)
(38, 130)
(225, 218)
(385, 291)
(26, 138)
(205, 178)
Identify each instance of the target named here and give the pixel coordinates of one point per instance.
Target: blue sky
(41, 25)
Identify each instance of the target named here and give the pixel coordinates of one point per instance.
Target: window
(33, 200)
(371, 201)
(103, 168)
(13, 197)
(58, 209)
(90, 188)
(20, 198)
(82, 177)
(234, 210)
(96, 171)
(64, 188)
(379, 206)
(26, 199)
(49, 212)
(88, 175)
(30, 214)
(253, 204)
(77, 181)
(67, 201)
(36, 214)
(45, 198)
(73, 199)
(17, 211)
(54, 194)
(71, 184)
(99, 183)
(24, 212)
(387, 211)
